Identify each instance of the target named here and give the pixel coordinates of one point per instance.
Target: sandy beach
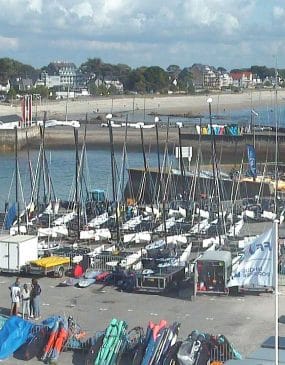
(171, 104)
(95, 109)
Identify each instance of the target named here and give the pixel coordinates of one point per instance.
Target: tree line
(143, 80)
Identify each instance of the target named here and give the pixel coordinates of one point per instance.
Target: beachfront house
(22, 84)
(205, 77)
(242, 79)
(225, 80)
(63, 76)
(59, 74)
(115, 83)
(4, 86)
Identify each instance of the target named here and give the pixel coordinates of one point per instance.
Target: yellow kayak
(51, 261)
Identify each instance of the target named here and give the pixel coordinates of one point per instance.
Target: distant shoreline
(157, 104)
(98, 137)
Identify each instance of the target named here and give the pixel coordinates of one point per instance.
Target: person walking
(15, 297)
(35, 299)
(26, 301)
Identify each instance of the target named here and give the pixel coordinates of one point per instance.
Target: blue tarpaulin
(11, 215)
(13, 334)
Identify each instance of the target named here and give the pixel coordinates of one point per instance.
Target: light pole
(114, 186)
(253, 115)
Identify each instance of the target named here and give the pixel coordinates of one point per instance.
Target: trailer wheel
(60, 272)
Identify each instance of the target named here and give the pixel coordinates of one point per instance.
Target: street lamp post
(115, 198)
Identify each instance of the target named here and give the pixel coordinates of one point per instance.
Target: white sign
(186, 152)
(256, 267)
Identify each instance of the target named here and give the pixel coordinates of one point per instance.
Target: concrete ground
(246, 320)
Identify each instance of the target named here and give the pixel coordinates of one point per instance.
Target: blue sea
(97, 165)
(268, 116)
(96, 173)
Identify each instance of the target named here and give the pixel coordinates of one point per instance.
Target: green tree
(173, 70)
(185, 81)
(91, 66)
(157, 79)
(43, 91)
(12, 93)
(10, 69)
(136, 81)
(263, 71)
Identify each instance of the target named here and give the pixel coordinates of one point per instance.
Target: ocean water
(97, 165)
(96, 172)
(268, 115)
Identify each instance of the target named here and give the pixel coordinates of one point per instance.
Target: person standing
(35, 299)
(15, 297)
(26, 301)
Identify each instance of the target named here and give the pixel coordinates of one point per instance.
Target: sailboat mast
(181, 160)
(158, 179)
(276, 145)
(29, 162)
(112, 161)
(115, 200)
(76, 182)
(16, 181)
(124, 159)
(145, 165)
(214, 166)
(157, 145)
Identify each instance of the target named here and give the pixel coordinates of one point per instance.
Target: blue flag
(11, 215)
(251, 160)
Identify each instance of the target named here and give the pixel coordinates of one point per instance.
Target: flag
(251, 155)
(256, 267)
(11, 215)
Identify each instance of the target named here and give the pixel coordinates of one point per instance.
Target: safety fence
(105, 262)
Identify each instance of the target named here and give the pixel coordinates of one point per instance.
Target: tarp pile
(158, 345)
(26, 340)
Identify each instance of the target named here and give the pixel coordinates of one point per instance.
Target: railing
(105, 262)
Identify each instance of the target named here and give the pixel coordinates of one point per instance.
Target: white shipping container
(17, 251)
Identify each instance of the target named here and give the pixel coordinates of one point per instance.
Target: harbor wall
(25, 135)
(233, 150)
(143, 187)
(228, 149)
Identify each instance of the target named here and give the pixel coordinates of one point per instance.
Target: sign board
(186, 152)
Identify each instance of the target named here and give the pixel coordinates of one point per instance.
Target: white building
(9, 121)
(225, 80)
(5, 86)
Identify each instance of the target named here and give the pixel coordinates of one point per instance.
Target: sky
(220, 33)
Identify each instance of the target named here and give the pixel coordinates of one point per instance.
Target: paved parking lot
(245, 320)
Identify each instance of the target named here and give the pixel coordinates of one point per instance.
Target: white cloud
(82, 10)
(36, 5)
(278, 12)
(8, 43)
(155, 31)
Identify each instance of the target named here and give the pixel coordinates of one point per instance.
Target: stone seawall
(25, 135)
(228, 149)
